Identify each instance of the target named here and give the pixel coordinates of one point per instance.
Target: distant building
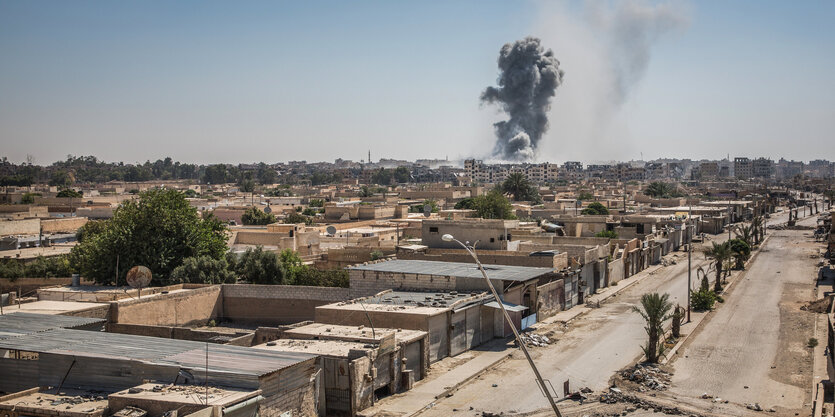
(709, 169)
(762, 168)
(743, 168)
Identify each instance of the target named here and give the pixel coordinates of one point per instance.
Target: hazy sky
(221, 81)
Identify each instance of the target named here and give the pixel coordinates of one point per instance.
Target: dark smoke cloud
(529, 79)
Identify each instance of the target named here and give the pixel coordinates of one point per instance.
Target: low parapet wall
(276, 304)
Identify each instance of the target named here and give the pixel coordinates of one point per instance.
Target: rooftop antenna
(369, 156)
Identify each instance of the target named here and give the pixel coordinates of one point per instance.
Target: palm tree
(516, 184)
(758, 231)
(720, 253)
(655, 309)
(746, 233)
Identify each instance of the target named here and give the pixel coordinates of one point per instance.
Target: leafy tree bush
(258, 266)
(322, 278)
(189, 193)
(703, 299)
(376, 254)
(310, 211)
(585, 195)
(295, 218)
(418, 208)
(41, 267)
(203, 270)
(29, 198)
(90, 229)
(465, 204)
(255, 216)
(659, 189)
(595, 209)
(493, 205)
(69, 193)
(316, 202)
(158, 230)
(741, 251)
(611, 234)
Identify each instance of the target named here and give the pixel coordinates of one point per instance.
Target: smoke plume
(529, 77)
(607, 48)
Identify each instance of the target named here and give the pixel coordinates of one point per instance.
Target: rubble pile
(615, 395)
(648, 376)
(535, 340)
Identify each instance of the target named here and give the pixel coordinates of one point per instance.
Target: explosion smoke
(529, 79)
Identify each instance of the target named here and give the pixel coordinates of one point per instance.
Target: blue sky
(275, 81)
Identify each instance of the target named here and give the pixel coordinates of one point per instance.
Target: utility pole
(471, 251)
(689, 262)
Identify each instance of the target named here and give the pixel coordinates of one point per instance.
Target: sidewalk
(424, 394)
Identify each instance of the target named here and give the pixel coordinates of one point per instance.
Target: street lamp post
(471, 251)
(689, 262)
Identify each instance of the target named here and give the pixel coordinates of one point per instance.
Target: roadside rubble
(615, 395)
(647, 376)
(536, 340)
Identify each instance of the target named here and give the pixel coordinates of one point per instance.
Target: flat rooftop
(21, 323)
(186, 394)
(360, 334)
(53, 307)
(337, 348)
(72, 403)
(186, 354)
(454, 269)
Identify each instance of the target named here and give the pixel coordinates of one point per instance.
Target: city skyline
(221, 83)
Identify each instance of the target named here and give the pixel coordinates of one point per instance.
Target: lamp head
(447, 237)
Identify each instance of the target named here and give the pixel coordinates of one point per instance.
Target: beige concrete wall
(195, 306)
(276, 304)
(20, 227)
(65, 225)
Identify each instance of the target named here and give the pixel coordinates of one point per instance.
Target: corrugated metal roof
(455, 269)
(183, 353)
(16, 324)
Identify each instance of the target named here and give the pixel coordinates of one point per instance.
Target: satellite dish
(268, 210)
(427, 210)
(139, 277)
(331, 230)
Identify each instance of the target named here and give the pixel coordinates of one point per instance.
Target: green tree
(292, 264)
(659, 189)
(28, 198)
(203, 270)
(316, 202)
(382, 177)
(296, 218)
(216, 174)
(266, 174)
(69, 193)
(90, 229)
(702, 299)
(258, 266)
(255, 216)
(60, 179)
(720, 252)
(158, 230)
(493, 205)
(655, 309)
(322, 278)
(402, 175)
(741, 252)
(595, 209)
(611, 234)
(418, 208)
(518, 186)
(465, 204)
(585, 195)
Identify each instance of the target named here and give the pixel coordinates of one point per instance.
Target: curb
(681, 341)
(455, 387)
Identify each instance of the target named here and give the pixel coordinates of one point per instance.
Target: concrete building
(743, 168)
(491, 234)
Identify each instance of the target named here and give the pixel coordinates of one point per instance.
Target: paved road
(735, 354)
(596, 346)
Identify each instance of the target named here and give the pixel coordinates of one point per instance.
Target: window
(492, 239)
(433, 230)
